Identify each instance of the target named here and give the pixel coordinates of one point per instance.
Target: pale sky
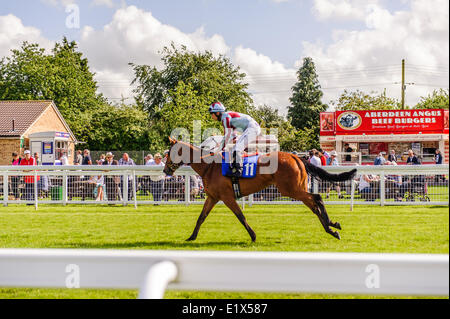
(355, 44)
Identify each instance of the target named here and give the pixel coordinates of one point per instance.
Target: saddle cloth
(249, 165)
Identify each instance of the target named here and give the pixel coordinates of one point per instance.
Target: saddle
(249, 167)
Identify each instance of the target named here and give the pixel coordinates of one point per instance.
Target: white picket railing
(153, 271)
(178, 190)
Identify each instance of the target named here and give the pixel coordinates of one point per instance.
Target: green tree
(185, 86)
(62, 76)
(267, 116)
(437, 100)
(359, 100)
(121, 127)
(289, 138)
(306, 98)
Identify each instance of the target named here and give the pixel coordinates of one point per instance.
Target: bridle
(172, 167)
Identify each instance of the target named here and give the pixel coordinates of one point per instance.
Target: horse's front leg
(234, 206)
(207, 207)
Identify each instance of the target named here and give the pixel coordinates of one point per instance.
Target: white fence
(391, 185)
(153, 271)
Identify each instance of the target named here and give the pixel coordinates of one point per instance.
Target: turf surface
(278, 228)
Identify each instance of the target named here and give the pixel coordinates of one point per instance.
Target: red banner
(327, 121)
(387, 122)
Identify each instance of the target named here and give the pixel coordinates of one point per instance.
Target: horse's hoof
(191, 239)
(336, 235)
(337, 226)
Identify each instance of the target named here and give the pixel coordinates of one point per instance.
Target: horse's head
(171, 166)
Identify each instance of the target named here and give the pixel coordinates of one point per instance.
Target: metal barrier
(373, 185)
(153, 271)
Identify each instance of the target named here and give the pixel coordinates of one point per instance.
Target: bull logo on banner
(349, 121)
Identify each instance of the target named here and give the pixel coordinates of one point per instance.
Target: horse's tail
(323, 174)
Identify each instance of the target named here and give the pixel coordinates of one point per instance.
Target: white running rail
(153, 271)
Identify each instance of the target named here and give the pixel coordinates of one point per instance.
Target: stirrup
(236, 169)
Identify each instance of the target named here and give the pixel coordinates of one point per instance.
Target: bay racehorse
(291, 179)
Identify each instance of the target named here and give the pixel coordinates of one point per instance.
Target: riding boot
(236, 167)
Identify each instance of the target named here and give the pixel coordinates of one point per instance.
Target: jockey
(233, 121)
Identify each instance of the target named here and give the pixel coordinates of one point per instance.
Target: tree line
(172, 96)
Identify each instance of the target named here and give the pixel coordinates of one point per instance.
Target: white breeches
(247, 136)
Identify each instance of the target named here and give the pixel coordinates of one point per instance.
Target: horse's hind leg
(315, 203)
(207, 207)
(321, 205)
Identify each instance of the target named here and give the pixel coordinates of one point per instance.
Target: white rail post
(5, 189)
(157, 279)
(35, 191)
(382, 189)
(352, 197)
(125, 188)
(134, 189)
(64, 188)
(316, 185)
(250, 200)
(187, 188)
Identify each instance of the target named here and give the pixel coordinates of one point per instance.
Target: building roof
(24, 114)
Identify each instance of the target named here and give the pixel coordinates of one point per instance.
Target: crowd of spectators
(161, 187)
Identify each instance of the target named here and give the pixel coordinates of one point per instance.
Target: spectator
(195, 186)
(365, 187)
(99, 182)
(42, 185)
(101, 159)
(166, 155)
(332, 161)
(392, 157)
(111, 182)
(127, 161)
(412, 159)
(149, 159)
(87, 160)
(393, 184)
(37, 159)
(379, 160)
(145, 180)
(64, 160)
(15, 180)
(323, 159)
(157, 182)
(29, 180)
(79, 158)
(348, 149)
(325, 153)
(438, 159)
(314, 160)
